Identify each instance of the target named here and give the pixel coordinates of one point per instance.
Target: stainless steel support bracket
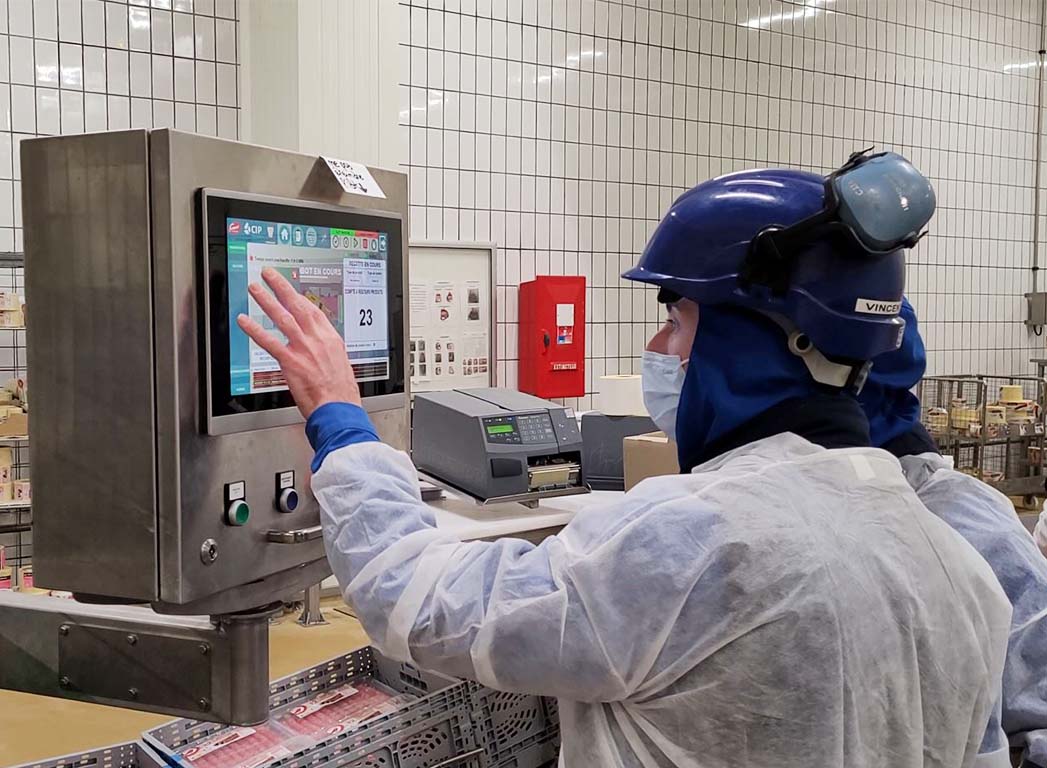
(128, 656)
(311, 613)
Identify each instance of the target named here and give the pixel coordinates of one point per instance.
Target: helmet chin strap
(822, 369)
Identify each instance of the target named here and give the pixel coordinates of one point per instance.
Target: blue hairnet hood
(887, 398)
(740, 366)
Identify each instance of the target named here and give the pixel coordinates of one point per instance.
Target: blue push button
(288, 501)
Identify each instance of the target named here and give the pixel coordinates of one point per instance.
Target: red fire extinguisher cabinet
(552, 336)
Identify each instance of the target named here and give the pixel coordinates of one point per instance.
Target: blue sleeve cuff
(336, 425)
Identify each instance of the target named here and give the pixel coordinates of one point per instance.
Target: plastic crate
(432, 729)
(516, 730)
(134, 754)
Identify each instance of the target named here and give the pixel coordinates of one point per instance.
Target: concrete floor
(35, 728)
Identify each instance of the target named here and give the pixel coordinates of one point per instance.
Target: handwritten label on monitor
(354, 177)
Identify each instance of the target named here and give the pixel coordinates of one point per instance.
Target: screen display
(344, 272)
(348, 262)
(500, 429)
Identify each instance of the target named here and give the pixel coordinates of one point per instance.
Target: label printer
(498, 445)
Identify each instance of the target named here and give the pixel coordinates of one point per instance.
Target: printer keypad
(517, 430)
(536, 429)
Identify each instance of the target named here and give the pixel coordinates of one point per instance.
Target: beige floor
(35, 728)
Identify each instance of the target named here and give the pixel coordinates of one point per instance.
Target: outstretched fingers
(304, 312)
(281, 317)
(263, 338)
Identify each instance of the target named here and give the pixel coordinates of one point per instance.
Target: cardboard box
(15, 425)
(26, 583)
(22, 491)
(11, 318)
(650, 455)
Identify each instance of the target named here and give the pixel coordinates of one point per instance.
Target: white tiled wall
(70, 66)
(341, 45)
(563, 130)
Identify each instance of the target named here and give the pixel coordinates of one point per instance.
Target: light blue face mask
(662, 378)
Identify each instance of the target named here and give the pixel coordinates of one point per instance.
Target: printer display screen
(520, 429)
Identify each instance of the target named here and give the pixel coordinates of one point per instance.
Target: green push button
(237, 513)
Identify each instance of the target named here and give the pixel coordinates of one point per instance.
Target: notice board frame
(466, 261)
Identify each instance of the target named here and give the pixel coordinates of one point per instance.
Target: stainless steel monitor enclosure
(130, 490)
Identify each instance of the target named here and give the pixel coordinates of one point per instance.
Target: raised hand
(313, 360)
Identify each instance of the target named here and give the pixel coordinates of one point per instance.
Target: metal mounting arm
(129, 656)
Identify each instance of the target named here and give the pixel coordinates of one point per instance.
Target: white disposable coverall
(1039, 533)
(985, 518)
(783, 606)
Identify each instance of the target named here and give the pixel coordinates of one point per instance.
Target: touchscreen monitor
(344, 272)
(348, 263)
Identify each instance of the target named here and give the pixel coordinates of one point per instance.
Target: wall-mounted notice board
(452, 315)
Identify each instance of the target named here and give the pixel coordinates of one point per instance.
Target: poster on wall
(419, 303)
(475, 358)
(444, 356)
(419, 360)
(445, 304)
(473, 307)
(451, 315)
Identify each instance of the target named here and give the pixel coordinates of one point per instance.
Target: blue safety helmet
(887, 398)
(825, 254)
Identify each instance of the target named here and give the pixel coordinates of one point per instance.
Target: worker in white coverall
(787, 601)
(986, 518)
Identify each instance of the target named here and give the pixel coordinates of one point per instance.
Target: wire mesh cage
(991, 426)
(951, 408)
(15, 516)
(1017, 453)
